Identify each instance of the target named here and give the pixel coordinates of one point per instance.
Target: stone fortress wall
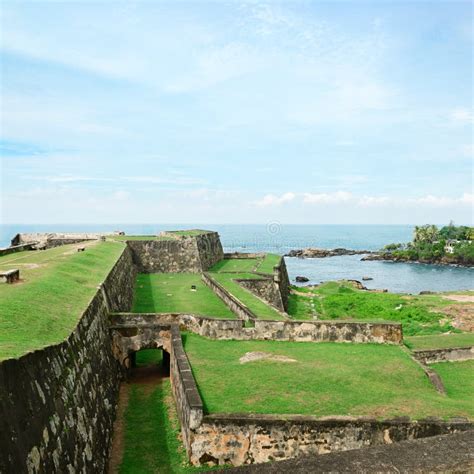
(58, 403)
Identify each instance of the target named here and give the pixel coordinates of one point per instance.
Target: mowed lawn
(257, 306)
(56, 287)
(171, 293)
(458, 379)
(268, 262)
(441, 341)
(326, 379)
(236, 265)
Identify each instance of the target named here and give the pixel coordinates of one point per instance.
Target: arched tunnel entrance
(149, 362)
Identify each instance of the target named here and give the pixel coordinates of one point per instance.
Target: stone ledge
(444, 453)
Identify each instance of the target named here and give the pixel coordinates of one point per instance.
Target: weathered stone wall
(57, 404)
(299, 331)
(16, 248)
(280, 275)
(266, 289)
(247, 439)
(234, 304)
(210, 249)
(188, 401)
(177, 255)
(53, 239)
(452, 354)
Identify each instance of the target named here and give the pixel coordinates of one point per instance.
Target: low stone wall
(16, 248)
(188, 401)
(452, 354)
(240, 255)
(248, 439)
(177, 255)
(57, 404)
(299, 331)
(234, 304)
(264, 288)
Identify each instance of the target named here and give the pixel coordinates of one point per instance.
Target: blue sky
(240, 112)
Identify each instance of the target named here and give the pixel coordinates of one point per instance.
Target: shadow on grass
(144, 298)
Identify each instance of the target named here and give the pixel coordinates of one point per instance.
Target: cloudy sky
(297, 112)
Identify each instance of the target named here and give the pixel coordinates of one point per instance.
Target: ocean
(280, 238)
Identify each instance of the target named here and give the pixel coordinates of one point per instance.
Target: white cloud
(272, 199)
(327, 198)
(462, 115)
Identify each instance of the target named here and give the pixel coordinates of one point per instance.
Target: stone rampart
(16, 248)
(431, 356)
(178, 254)
(280, 276)
(451, 453)
(266, 289)
(57, 404)
(298, 331)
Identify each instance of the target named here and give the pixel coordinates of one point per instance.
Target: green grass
(440, 341)
(458, 379)
(58, 285)
(257, 306)
(188, 233)
(124, 238)
(236, 265)
(327, 379)
(268, 262)
(420, 315)
(171, 293)
(151, 427)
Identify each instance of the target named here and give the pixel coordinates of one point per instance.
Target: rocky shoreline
(369, 255)
(390, 258)
(323, 253)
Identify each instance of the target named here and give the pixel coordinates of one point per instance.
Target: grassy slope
(458, 379)
(152, 435)
(420, 315)
(327, 379)
(152, 290)
(267, 264)
(440, 341)
(236, 265)
(261, 309)
(58, 285)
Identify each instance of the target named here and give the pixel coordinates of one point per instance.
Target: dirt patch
(462, 316)
(460, 298)
(254, 356)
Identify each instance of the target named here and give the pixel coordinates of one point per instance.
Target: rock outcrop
(323, 253)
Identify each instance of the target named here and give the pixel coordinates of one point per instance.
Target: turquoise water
(276, 238)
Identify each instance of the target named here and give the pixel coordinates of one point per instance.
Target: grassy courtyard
(171, 293)
(324, 379)
(420, 315)
(257, 306)
(458, 379)
(440, 341)
(56, 287)
(236, 265)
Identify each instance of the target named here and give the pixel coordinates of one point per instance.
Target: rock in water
(301, 279)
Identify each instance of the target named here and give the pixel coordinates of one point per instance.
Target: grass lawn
(236, 265)
(420, 315)
(124, 238)
(257, 306)
(268, 262)
(57, 286)
(171, 293)
(326, 379)
(458, 379)
(151, 426)
(440, 341)
(188, 233)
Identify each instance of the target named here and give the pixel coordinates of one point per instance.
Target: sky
(341, 112)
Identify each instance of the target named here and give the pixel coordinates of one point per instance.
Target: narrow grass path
(150, 427)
